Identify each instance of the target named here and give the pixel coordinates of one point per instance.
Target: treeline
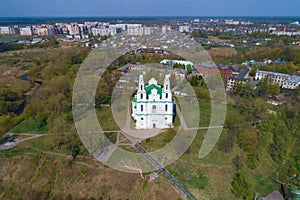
(51, 105)
(8, 99)
(51, 42)
(10, 47)
(200, 87)
(264, 89)
(263, 132)
(287, 68)
(287, 53)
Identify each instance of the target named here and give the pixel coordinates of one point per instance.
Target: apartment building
(6, 30)
(241, 76)
(273, 77)
(291, 83)
(105, 31)
(26, 31)
(183, 29)
(285, 81)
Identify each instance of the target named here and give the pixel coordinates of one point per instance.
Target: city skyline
(126, 8)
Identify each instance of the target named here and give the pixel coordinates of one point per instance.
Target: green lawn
(106, 119)
(205, 113)
(28, 126)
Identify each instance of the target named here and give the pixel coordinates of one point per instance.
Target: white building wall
(26, 31)
(156, 111)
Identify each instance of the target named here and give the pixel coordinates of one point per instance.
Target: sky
(64, 8)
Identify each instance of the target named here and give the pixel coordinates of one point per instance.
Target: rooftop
(293, 79)
(149, 88)
(272, 73)
(242, 72)
(181, 62)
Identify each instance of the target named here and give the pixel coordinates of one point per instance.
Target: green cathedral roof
(152, 86)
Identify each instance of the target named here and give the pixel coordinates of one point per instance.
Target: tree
(245, 90)
(264, 88)
(252, 71)
(241, 186)
(189, 69)
(248, 142)
(227, 141)
(4, 123)
(194, 81)
(52, 41)
(238, 162)
(202, 93)
(41, 119)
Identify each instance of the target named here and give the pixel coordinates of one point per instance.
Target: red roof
(206, 71)
(226, 72)
(209, 71)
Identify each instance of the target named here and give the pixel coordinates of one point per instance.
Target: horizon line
(136, 16)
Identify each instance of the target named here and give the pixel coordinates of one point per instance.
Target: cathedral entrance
(154, 125)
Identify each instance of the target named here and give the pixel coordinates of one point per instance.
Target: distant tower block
(153, 106)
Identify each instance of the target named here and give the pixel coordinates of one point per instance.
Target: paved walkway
(9, 145)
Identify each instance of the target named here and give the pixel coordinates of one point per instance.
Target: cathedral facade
(153, 106)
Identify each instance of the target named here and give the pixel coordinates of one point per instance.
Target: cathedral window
(154, 109)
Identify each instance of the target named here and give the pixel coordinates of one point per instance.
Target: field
(34, 171)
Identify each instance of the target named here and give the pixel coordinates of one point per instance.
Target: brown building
(205, 71)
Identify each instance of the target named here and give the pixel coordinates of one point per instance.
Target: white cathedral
(153, 106)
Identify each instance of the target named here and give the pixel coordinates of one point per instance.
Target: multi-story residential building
(26, 31)
(138, 29)
(135, 31)
(291, 83)
(147, 30)
(241, 76)
(133, 26)
(285, 81)
(273, 77)
(105, 31)
(61, 28)
(231, 22)
(121, 26)
(6, 30)
(184, 29)
(73, 29)
(165, 29)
